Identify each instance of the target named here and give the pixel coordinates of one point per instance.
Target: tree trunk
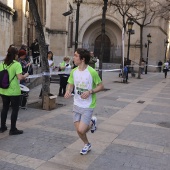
(42, 46)
(141, 50)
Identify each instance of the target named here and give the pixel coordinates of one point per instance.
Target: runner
(86, 83)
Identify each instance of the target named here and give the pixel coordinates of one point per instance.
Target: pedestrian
(142, 66)
(51, 67)
(50, 61)
(27, 58)
(13, 92)
(160, 65)
(24, 64)
(93, 60)
(165, 68)
(97, 64)
(86, 83)
(24, 47)
(125, 74)
(35, 52)
(64, 67)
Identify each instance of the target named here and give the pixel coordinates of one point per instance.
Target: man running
(86, 83)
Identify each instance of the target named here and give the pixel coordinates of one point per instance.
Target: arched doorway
(97, 48)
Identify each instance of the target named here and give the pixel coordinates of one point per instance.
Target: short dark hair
(84, 54)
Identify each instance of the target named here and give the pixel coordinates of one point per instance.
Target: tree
(123, 7)
(144, 12)
(164, 9)
(43, 49)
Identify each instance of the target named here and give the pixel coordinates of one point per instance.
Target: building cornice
(6, 8)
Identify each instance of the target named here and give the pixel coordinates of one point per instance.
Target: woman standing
(50, 61)
(51, 67)
(13, 92)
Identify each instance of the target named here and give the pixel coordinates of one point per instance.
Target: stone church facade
(17, 26)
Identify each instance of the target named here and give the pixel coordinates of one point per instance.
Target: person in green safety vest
(66, 68)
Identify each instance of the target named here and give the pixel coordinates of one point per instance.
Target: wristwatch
(91, 91)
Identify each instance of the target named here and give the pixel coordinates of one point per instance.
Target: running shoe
(86, 149)
(94, 124)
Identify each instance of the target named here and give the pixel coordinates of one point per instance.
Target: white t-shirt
(166, 65)
(68, 68)
(51, 65)
(84, 81)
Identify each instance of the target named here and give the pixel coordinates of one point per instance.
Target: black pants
(63, 84)
(35, 58)
(14, 100)
(165, 73)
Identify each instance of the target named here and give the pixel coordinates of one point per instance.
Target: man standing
(86, 83)
(160, 65)
(93, 60)
(35, 51)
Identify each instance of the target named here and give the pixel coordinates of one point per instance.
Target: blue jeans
(14, 100)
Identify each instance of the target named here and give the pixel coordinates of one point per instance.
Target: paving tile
(157, 108)
(128, 135)
(9, 166)
(72, 158)
(147, 135)
(126, 157)
(55, 166)
(37, 143)
(61, 121)
(152, 118)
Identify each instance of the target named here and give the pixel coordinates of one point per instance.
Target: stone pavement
(133, 130)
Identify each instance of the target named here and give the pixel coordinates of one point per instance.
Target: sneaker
(3, 129)
(86, 149)
(94, 123)
(15, 132)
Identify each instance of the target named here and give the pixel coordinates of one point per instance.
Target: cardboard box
(49, 102)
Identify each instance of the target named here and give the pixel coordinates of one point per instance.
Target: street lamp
(130, 31)
(166, 44)
(77, 22)
(149, 41)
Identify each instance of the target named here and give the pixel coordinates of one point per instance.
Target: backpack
(4, 78)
